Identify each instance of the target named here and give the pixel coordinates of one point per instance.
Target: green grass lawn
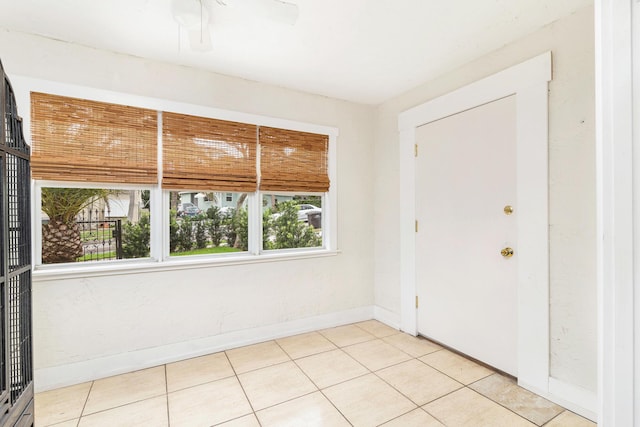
(216, 250)
(96, 257)
(107, 255)
(99, 234)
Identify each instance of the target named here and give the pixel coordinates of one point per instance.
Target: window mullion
(37, 222)
(159, 207)
(255, 214)
(255, 223)
(330, 200)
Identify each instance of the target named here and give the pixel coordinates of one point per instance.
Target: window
(88, 143)
(202, 153)
(94, 224)
(205, 227)
(293, 161)
(289, 222)
(218, 188)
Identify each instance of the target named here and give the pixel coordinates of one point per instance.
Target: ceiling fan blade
(285, 12)
(193, 17)
(281, 11)
(200, 39)
(189, 14)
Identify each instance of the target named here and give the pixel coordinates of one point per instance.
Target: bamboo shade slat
(88, 141)
(293, 161)
(208, 154)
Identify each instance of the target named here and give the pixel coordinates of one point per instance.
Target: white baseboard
(75, 373)
(387, 317)
(576, 399)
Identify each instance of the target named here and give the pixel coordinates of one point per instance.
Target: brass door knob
(507, 252)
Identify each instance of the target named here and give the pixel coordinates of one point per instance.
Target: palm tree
(61, 240)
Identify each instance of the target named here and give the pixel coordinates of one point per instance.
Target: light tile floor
(365, 374)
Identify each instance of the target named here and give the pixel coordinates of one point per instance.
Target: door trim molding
(617, 24)
(528, 81)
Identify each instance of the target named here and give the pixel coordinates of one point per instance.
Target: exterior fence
(101, 238)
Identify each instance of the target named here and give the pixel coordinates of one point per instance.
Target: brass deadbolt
(507, 252)
(508, 210)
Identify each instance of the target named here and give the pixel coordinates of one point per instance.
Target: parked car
(305, 209)
(227, 211)
(188, 209)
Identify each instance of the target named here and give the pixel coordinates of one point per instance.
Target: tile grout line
(235, 374)
(369, 332)
(394, 346)
(434, 417)
(351, 324)
(422, 407)
(84, 406)
(502, 406)
(308, 355)
(316, 385)
(515, 412)
(412, 357)
(404, 395)
(406, 352)
(338, 347)
(375, 372)
(166, 389)
(418, 406)
(444, 373)
(553, 418)
(463, 385)
(367, 371)
(123, 405)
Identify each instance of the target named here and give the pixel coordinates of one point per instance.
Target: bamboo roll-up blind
(293, 161)
(88, 141)
(208, 154)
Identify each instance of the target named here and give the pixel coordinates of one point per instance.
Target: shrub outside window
(207, 223)
(291, 222)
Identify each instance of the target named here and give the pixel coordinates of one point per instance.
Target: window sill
(52, 272)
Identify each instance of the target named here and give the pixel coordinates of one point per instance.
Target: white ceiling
(359, 50)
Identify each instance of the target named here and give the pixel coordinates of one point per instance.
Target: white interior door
(465, 176)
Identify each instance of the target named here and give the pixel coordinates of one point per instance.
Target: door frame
(528, 81)
(617, 25)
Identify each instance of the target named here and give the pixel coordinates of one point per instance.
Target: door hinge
(416, 301)
(416, 225)
(415, 150)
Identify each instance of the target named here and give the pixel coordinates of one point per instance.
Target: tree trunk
(133, 212)
(173, 200)
(239, 204)
(60, 242)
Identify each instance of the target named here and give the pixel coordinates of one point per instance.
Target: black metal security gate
(16, 351)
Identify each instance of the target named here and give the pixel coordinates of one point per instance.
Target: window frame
(38, 185)
(166, 249)
(324, 197)
(159, 200)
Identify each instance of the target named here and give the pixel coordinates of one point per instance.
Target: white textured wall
(571, 180)
(77, 321)
(91, 318)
